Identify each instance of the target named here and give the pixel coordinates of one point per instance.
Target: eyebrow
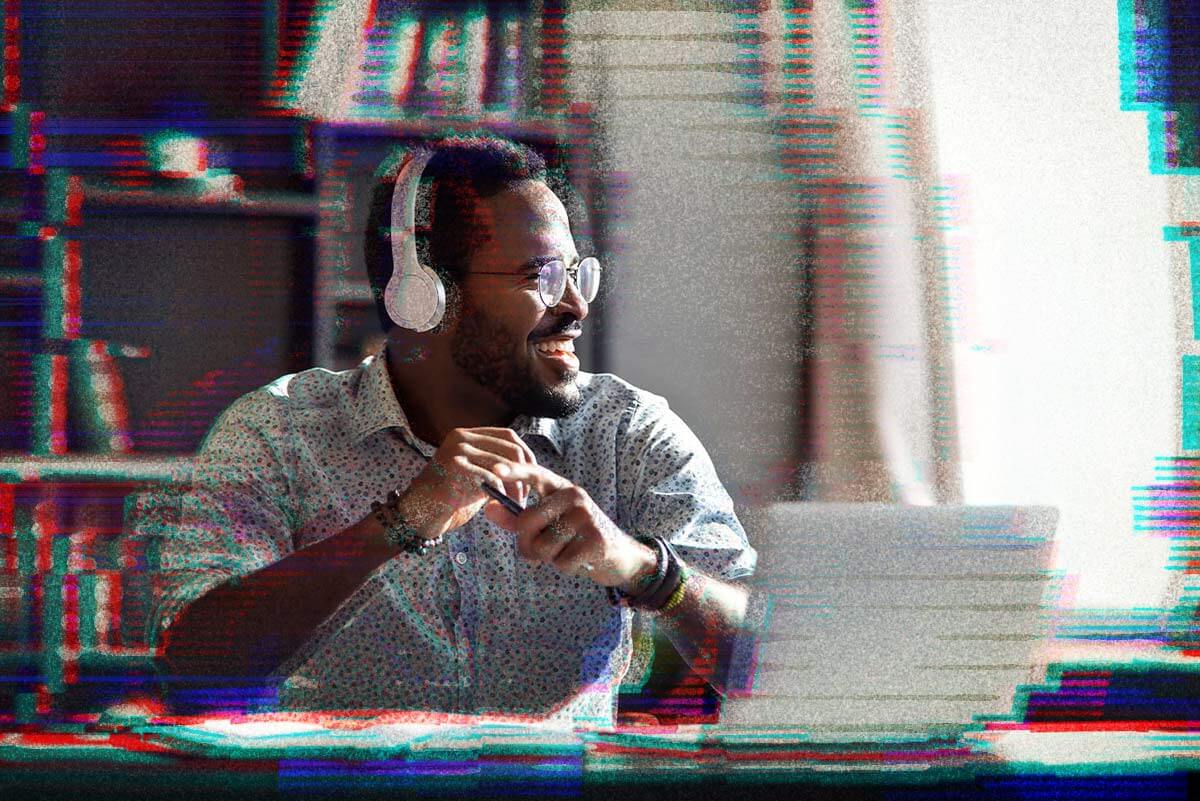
(537, 261)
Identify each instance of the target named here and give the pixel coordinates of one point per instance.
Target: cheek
(503, 327)
(524, 325)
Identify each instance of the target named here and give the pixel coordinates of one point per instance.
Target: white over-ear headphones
(414, 297)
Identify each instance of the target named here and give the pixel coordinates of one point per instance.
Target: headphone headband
(404, 207)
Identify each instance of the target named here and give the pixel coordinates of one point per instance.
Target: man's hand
(568, 531)
(447, 493)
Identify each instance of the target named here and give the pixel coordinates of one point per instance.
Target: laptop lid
(878, 621)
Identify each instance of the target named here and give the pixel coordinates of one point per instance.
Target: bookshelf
(109, 265)
(75, 590)
(263, 204)
(81, 469)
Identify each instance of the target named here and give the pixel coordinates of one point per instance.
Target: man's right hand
(447, 493)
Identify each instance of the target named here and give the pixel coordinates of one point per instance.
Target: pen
(505, 501)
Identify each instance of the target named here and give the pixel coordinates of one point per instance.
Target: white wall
(1066, 357)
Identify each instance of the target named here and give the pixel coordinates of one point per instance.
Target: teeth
(556, 346)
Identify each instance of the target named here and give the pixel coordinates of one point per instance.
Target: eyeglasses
(552, 279)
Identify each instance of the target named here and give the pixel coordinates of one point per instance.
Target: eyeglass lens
(552, 280)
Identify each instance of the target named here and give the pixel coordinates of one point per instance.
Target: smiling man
(340, 541)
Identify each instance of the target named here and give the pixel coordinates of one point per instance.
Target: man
(279, 566)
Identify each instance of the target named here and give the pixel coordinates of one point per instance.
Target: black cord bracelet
(667, 578)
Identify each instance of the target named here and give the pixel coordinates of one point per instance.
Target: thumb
(503, 518)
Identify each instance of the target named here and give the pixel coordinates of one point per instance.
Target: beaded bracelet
(398, 531)
(677, 597)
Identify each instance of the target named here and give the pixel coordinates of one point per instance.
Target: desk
(398, 756)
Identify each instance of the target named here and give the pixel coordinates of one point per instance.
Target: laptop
(880, 623)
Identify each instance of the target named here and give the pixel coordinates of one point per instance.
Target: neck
(434, 393)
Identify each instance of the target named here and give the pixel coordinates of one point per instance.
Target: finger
(513, 451)
(498, 466)
(577, 558)
(570, 544)
(522, 455)
(465, 441)
(529, 524)
(578, 542)
(500, 437)
(551, 541)
(543, 529)
(469, 477)
(495, 512)
(545, 482)
(529, 458)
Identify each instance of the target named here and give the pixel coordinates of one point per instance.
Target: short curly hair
(462, 171)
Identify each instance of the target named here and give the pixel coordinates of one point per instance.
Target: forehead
(525, 221)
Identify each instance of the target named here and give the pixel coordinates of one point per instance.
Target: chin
(561, 400)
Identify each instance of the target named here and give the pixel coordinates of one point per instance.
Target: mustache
(570, 325)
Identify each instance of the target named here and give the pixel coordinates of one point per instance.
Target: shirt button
(460, 557)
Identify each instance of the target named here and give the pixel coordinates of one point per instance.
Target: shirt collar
(376, 408)
(547, 428)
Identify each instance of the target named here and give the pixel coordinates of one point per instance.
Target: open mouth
(558, 351)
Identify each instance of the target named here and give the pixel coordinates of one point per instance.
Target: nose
(572, 301)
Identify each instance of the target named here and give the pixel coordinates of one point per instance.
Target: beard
(485, 350)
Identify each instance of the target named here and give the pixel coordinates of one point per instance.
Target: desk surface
(300, 755)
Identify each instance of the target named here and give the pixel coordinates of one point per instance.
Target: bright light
(1065, 350)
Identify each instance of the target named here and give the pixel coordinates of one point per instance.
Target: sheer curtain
(847, 84)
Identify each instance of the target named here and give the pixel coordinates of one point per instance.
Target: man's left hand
(568, 531)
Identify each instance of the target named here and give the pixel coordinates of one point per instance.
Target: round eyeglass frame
(553, 275)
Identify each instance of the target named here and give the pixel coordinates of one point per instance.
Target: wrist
(421, 512)
(660, 588)
(645, 568)
(404, 527)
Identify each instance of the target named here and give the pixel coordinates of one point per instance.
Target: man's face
(505, 338)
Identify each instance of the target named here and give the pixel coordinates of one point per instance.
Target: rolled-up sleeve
(669, 488)
(230, 520)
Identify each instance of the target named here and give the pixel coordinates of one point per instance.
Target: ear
(455, 309)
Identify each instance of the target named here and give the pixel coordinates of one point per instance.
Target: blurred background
(912, 251)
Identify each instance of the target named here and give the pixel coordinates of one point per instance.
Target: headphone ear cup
(414, 296)
(416, 299)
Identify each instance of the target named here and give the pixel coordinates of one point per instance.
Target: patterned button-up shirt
(470, 627)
